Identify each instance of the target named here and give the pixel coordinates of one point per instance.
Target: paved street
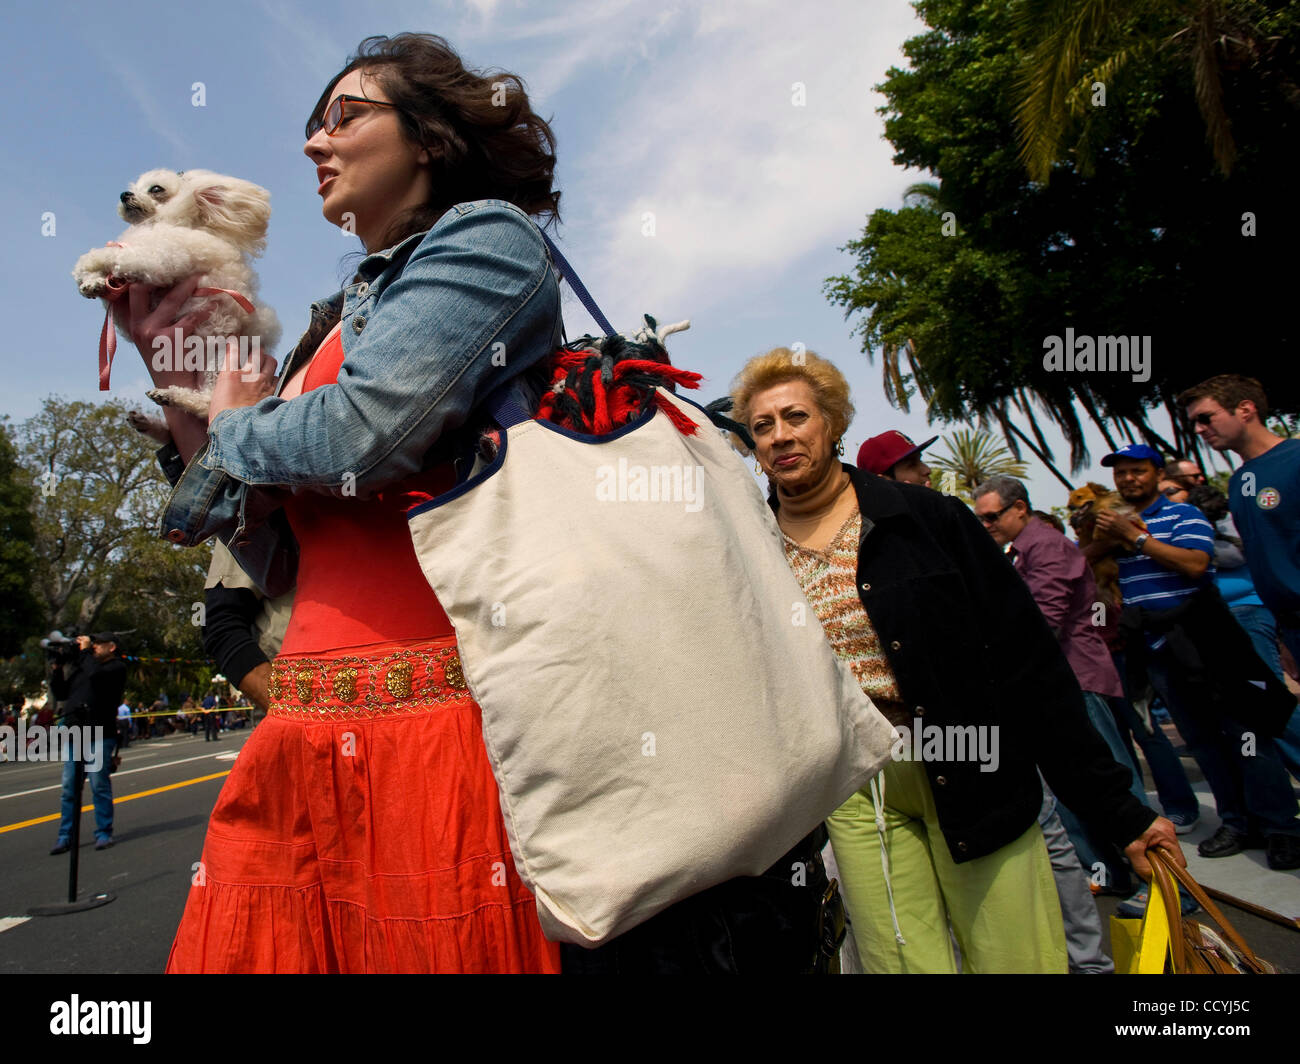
(164, 793)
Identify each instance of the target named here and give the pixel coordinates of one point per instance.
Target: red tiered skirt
(361, 831)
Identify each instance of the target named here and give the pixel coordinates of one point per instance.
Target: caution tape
(170, 661)
(191, 712)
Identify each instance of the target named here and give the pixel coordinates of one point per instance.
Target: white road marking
(117, 775)
(6, 922)
(229, 755)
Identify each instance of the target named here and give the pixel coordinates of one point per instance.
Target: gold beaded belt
(412, 679)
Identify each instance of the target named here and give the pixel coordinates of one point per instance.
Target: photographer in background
(90, 690)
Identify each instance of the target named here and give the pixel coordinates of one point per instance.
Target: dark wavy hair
(483, 138)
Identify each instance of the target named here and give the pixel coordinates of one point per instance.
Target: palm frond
(1064, 32)
(1205, 39)
(928, 191)
(919, 376)
(974, 456)
(1085, 397)
(892, 376)
(1078, 101)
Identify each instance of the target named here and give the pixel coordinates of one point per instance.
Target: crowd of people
(213, 714)
(1190, 625)
(321, 860)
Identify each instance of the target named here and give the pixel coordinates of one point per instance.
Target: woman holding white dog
(360, 829)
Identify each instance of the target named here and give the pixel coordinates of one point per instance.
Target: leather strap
(1163, 881)
(1158, 859)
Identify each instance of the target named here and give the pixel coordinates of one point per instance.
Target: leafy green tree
(961, 290)
(100, 563)
(20, 614)
(1082, 50)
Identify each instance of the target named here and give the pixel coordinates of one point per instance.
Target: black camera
(60, 649)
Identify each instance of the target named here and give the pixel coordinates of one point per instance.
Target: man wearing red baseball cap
(893, 455)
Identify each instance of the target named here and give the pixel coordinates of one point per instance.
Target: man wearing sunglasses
(1062, 585)
(1228, 413)
(1185, 473)
(1180, 635)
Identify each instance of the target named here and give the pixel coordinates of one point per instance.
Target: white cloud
(740, 180)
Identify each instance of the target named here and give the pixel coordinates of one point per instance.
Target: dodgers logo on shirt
(1268, 498)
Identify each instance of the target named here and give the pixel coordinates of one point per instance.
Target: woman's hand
(242, 384)
(164, 361)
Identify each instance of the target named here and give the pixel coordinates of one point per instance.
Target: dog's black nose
(127, 197)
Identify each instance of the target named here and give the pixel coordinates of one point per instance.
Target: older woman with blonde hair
(943, 635)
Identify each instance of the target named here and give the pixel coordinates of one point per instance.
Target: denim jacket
(430, 328)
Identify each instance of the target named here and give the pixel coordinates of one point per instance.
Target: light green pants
(1003, 908)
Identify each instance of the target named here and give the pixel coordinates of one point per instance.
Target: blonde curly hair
(782, 364)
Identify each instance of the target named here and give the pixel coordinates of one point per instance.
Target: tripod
(93, 901)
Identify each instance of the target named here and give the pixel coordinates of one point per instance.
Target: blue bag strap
(579, 289)
(506, 410)
(503, 405)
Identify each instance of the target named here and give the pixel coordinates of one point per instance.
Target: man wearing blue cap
(1225, 701)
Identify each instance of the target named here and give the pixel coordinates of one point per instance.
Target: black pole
(72, 905)
(79, 780)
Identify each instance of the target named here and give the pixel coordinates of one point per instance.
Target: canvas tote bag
(660, 705)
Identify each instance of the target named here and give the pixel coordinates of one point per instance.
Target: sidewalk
(1245, 876)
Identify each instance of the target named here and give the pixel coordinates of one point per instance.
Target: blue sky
(682, 110)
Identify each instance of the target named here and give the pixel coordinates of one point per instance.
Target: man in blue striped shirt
(1195, 660)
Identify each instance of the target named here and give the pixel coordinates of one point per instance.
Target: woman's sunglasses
(337, 111)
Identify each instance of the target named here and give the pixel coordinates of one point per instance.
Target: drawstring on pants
(877, 786)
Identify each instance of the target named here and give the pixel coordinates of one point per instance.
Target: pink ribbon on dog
(108, 335)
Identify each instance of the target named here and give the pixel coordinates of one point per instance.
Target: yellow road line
(117, 801)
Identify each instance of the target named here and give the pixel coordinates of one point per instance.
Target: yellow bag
(1164, 936)
(1141, 946)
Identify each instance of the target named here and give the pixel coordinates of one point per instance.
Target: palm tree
(923, 194)
(973, 456)
(1074, 44)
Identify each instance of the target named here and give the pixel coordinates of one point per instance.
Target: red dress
(361, 829)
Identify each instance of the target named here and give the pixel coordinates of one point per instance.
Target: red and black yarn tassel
(601, 384)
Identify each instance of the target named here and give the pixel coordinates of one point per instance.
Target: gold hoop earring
(839, 446)
(758, 468)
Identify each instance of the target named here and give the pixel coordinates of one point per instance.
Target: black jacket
(1232, 680)
(969, 646)
(230, 613)
(91, 691)
(230, 631)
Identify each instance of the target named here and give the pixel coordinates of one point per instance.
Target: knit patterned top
(829, 580)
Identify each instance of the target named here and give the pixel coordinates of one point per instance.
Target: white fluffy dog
(186, 223)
